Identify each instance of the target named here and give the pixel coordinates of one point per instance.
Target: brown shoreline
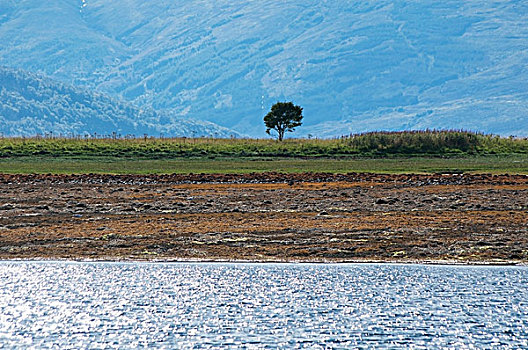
(266, 217)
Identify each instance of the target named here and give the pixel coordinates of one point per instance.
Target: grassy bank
(394, 152)
(379, 144)
(516, 164)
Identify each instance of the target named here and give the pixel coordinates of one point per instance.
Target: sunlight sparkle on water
(72, 305)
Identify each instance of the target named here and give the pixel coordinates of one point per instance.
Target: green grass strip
(514, 164)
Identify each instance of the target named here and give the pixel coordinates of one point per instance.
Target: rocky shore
(308, 217)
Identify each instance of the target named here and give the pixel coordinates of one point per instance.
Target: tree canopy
(283, 117)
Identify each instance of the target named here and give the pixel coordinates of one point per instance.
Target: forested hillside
(352, 65)
(31, 104)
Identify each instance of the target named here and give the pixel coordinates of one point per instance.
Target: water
(114, 305)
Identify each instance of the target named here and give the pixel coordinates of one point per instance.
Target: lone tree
(284, 116)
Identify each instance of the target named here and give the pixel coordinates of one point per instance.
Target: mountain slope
(31, 104)
(352, 65)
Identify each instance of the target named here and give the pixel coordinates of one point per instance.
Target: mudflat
(307, 217)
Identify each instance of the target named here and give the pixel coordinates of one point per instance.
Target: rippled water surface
(106, 305)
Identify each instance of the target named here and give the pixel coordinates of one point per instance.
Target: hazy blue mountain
(31, 104)
(353, 65)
